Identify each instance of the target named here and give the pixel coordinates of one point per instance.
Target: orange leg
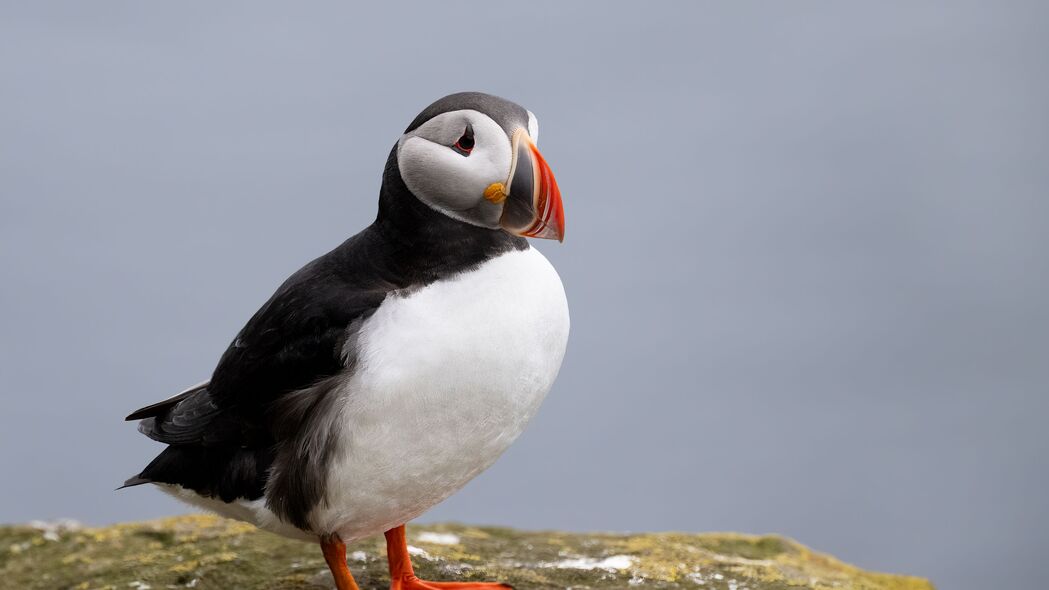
(402, 576)
(335, 554)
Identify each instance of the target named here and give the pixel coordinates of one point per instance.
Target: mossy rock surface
(210, 553)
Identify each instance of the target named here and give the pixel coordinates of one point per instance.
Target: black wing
(224, 435)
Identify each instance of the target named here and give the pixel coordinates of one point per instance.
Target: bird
(381, 377)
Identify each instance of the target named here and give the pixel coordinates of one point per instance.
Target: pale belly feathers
(447, 377)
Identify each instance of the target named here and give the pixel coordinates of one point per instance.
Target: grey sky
(807, 255)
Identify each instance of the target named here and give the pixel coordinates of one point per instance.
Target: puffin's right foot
(402, 576)
(335, 555)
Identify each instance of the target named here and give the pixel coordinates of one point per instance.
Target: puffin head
(472, 157)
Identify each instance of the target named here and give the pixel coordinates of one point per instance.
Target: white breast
(448, 377)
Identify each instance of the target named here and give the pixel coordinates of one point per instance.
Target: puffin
(383, 376)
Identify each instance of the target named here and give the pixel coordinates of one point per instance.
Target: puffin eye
(465, 144)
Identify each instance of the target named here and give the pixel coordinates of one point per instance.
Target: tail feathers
(135, 481)
(226, 473)
(162, 406)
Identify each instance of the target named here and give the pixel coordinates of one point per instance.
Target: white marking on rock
(456, 569)
(413, 550)
(52, 529)
(611, 563)
(359, 556)
(697, 578)
(439, 538)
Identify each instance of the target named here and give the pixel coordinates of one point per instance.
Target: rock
(210, 553)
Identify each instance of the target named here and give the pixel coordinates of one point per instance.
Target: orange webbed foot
(403, 577)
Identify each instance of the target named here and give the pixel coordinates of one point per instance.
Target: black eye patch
(465, 144)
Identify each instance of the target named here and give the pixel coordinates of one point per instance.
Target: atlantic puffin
(383, 376)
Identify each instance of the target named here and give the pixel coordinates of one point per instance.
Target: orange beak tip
(533, 208)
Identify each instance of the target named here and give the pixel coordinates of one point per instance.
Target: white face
(441, 166)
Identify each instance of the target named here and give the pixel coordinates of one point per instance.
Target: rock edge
(210, 553)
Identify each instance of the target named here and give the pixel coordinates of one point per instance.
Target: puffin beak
(533, 202)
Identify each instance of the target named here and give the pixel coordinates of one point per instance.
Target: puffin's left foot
(402, 576)
(335, 554)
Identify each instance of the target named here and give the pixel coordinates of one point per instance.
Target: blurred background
(807, 255)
